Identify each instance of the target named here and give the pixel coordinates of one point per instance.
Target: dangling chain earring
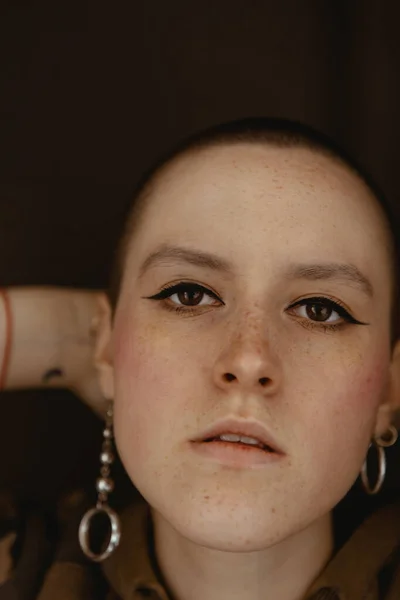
(379, 443)
(104, 486)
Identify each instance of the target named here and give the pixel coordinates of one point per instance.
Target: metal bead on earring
(104, 486)
(379, 443)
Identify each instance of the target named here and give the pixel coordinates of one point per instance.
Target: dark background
(92, 93)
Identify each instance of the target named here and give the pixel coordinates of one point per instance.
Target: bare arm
(51, 340)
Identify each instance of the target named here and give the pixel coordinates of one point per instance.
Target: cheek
(347, 379)
(365, 383)
(343, 424)
(149, 374)
(371, 385)
(332, 419)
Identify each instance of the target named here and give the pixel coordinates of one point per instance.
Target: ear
(103, 348)
(388, 412)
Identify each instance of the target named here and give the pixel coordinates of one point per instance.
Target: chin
(228, 536)
(226, 528)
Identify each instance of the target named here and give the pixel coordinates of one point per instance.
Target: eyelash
(169, 291)
(334, 305)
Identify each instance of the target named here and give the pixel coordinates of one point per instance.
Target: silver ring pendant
(84, 528)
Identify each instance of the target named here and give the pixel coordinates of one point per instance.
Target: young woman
(250, 354)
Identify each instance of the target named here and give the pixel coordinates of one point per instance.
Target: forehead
(250, 201)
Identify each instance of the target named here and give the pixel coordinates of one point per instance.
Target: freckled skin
(261, 208)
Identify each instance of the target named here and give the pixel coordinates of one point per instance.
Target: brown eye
(318, 312)
(190, 297)
(322, 310)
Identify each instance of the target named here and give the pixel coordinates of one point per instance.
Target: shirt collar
(354, 571)
(129, 569)
(350, 575)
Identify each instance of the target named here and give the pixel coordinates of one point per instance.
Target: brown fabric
(129, 570)
(6, 562)
(367, 567)
(351, 575)
(394, 593)
(354, 570)
(36, 549)
(68, 581)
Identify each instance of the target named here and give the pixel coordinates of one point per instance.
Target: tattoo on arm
(51, 373)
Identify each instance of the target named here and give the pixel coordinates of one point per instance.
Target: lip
(248, 428)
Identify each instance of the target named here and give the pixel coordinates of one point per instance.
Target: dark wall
(91, 93)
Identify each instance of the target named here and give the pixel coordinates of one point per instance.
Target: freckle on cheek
(371, 387)
(122, 340)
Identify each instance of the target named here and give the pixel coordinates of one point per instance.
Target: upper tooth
(232, 437)
(249, 440)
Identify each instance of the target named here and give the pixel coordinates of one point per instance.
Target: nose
(249, 363)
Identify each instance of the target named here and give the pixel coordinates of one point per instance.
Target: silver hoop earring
(104, 486)
(380, 443)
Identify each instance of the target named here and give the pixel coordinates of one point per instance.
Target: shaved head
(279, 133)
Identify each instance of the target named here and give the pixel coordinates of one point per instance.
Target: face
(287, 327)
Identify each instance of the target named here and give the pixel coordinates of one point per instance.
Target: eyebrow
(311, 272)
(166, 253)
(337, 271)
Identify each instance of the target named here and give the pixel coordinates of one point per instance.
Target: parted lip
(252, 429)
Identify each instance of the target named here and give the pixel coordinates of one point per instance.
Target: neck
(284, 571)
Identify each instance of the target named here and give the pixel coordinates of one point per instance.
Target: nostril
(264, 381)
(229, 377)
